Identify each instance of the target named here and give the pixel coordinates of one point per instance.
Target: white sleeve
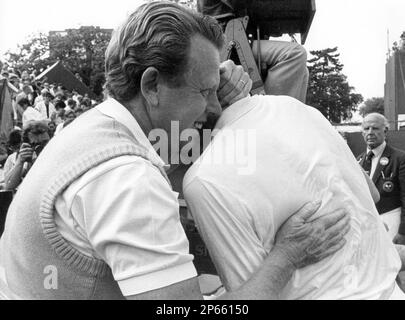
(10, 163)
(131, 218)
(227, 230)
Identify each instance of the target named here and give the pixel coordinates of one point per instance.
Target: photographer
(35, 137)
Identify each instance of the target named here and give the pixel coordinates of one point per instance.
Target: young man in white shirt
(46, 107)
(270, 155)
(29, 113)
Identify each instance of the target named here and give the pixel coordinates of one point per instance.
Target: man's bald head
(377, 117)
(375, 127)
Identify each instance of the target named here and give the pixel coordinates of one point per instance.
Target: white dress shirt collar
(379, 150)
(117, 111)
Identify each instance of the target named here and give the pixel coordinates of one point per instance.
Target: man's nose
(213, 105)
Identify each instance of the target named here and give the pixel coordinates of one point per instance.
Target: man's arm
(298, 244)
(13, 178)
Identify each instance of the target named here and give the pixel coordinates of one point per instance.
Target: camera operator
(35, 138)
(286, 62)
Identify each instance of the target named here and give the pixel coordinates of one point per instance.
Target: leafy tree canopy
(372, 105)
(80, 50)
(328, 89)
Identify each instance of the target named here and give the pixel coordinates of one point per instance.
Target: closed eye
(205, 93)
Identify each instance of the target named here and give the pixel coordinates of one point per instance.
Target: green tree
(80, 50)
(33, 55)
(372, 105)
(328, 89)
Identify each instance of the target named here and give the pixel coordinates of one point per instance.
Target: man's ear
(149, 86)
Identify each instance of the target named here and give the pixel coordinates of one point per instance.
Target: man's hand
(305, 243)
(25, 154)
(235, 83)
(399, 239)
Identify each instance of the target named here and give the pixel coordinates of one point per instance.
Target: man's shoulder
(130, 166)
(191, 174)
(395, 152)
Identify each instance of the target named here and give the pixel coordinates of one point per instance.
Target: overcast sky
(357, 27)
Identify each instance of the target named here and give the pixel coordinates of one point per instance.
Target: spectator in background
(39, 98)
(29, 113)
(25, 75)
(13, 145)
(87, 102)
(6, 150)
(386, 167)
(52, 90)
(78, 112)
(15, 81)
(25, 93)
(71, 105)
(51, 129)
(60, 107)
(46, 107)
(69, 117)
(35, 138)
(79, 99)
(85, 107)
(59, 96)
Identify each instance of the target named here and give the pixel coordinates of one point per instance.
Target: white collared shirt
(41, 107)
(134, 225)
(31, 114)
(243, 188)
(377, 155)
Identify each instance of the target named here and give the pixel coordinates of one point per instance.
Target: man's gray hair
(156, 35)
(36, 127)
(381, 117)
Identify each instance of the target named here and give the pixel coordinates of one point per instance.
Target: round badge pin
(384, 161)
(388, 186)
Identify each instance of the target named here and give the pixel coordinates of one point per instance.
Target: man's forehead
(204, 60)
(373, 122)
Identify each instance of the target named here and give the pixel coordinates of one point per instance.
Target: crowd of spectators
(38, 105)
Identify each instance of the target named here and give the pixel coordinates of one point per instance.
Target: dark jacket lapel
(386, 153)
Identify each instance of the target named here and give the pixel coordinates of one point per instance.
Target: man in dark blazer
(386, 167)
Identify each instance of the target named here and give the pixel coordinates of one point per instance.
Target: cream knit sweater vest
(31, 248)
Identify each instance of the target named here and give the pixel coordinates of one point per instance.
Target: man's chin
(372, 144)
